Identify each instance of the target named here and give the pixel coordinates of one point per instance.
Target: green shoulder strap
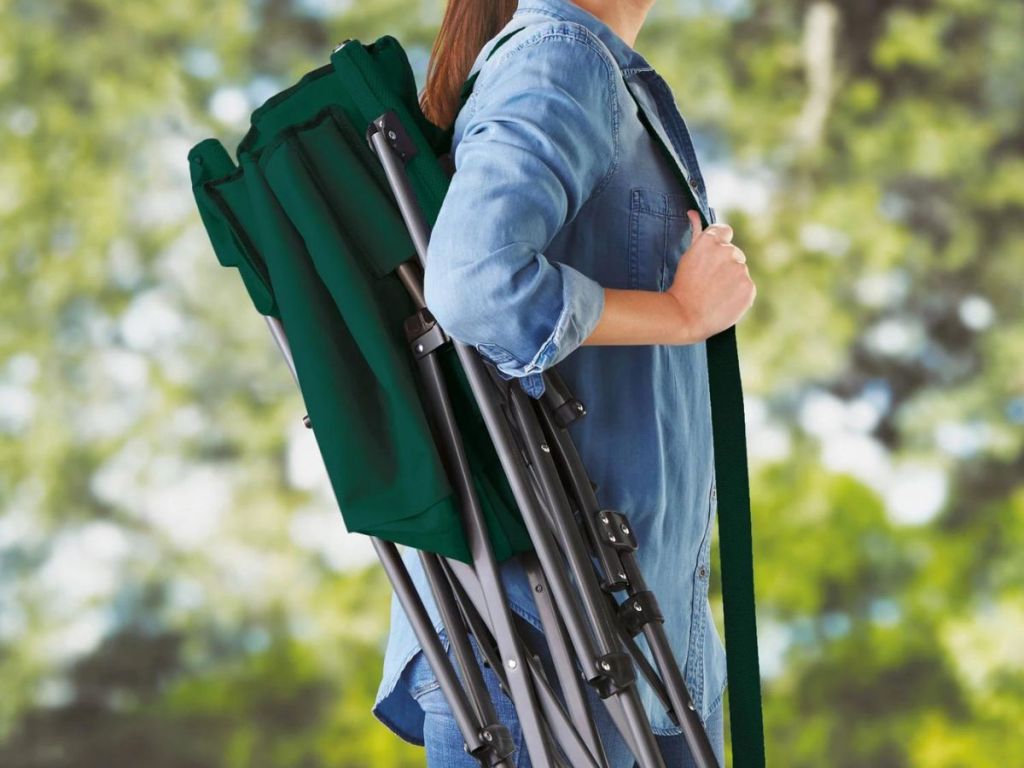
(734, 526)
(735, 546)
(735, 539)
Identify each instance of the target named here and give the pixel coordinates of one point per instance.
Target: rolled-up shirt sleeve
(538, 143)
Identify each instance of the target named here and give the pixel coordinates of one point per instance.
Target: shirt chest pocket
(659, 233)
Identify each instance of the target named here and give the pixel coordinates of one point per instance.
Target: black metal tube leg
(631, 577)
(569, 678)
(495, 735)
(411, 603)
(457, 464)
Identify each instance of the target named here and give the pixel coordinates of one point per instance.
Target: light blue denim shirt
(559, 191)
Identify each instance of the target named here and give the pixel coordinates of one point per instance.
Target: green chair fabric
(307, 218)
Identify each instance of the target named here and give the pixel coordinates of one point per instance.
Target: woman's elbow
(451, 304)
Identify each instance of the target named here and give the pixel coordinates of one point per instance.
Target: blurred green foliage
(176, 587)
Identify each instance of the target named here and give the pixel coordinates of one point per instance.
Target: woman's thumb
(694, 215)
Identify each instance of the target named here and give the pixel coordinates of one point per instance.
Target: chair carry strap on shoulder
(735, 539)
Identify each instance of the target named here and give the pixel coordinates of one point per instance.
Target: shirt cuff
(582, 305)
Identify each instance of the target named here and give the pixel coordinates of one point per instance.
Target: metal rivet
(605, 666)
(625, 529)
(604, 519)
(612, 538)
(419, 347)
(539, 588)
(544, 447)
(487, 736)
(638, 608)
(512, 664)
(622, 576)
(392, 135)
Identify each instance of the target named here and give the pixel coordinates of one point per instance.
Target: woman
(566, 238)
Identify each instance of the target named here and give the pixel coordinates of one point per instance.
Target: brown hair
(466, 26)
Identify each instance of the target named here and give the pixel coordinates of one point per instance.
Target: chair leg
(672, 684)
(483, 737)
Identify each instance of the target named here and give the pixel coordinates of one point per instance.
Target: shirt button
(693, 182)
(702, 571)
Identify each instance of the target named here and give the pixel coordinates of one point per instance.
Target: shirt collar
(566, 10)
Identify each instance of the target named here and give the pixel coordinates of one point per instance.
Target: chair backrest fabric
(307, 218)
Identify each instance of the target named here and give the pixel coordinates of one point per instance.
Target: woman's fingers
(720, 231)
(714, 294)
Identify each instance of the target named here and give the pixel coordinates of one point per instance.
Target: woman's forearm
(710, 291)
(641, 317)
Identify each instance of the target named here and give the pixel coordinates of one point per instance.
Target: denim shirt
(559, 191)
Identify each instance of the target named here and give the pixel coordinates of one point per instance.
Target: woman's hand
(711, 291)
(712, 283)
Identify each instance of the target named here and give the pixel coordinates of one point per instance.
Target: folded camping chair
(326, 216)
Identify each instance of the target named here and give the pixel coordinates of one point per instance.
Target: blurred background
(176, 585)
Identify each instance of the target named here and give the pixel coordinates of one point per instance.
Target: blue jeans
(445, 745)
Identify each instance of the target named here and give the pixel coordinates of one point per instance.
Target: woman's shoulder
(533, 32)
(547, 51)
(550, 91)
